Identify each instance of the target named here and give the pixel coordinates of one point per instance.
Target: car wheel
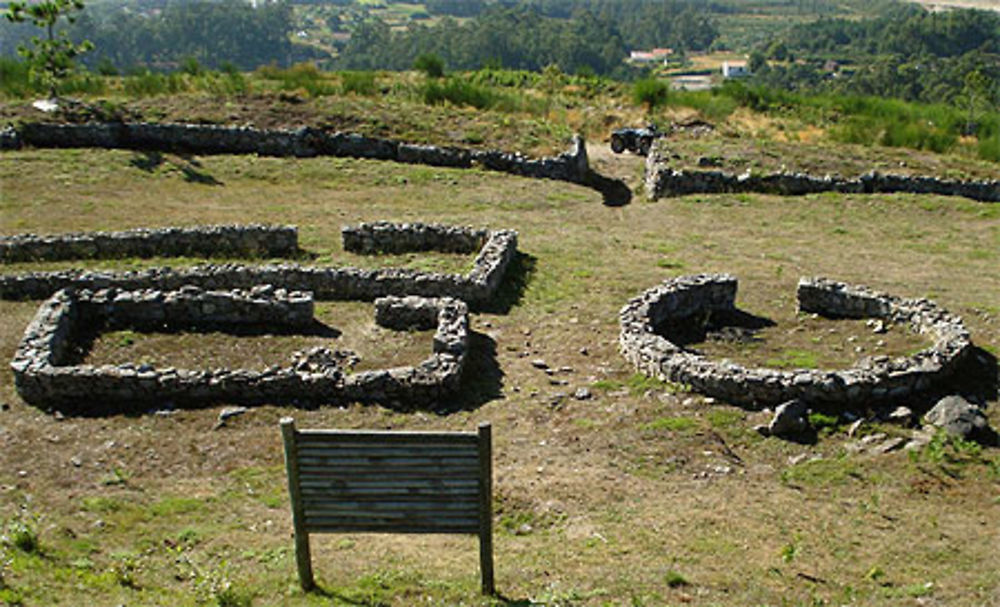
(617, 144)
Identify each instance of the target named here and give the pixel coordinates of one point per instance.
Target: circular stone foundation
(689, 299)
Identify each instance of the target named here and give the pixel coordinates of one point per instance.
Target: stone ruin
(662, 181)
(687, 299)
(250, 240)
(572, 165)
(231, 296)
(496, 250)
(46, 374)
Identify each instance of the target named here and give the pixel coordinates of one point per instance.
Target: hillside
(611, 488)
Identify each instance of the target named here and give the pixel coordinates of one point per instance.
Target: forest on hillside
(909, 54)
(880, 48)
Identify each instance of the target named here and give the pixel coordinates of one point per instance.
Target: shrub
(15, 79)
(359, 83)
(191, 67)
(86, 83)
(650, 92)
(989, 148)
(459, 92)
(430, 64)
(22, 533)
(106, 68)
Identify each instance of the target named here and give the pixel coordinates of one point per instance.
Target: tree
(51, 58)
(976, 91)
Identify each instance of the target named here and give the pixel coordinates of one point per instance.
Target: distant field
(987, 5)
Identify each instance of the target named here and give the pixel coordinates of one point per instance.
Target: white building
(734, 70)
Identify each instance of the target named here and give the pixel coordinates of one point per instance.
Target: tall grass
(17, 81)
(463, 92)
(304, 77)
(358, 83)
(854, 119)
(710, 104)
(15, 78)
(144, 83)
(989, 148)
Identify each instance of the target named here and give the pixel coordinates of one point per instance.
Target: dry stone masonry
(45, 373)
(303, 142)
(325, 283)
(663, 181)
(875, 380)
(251, 240)
(386, 237)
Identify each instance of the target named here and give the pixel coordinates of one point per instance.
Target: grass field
(644, 494)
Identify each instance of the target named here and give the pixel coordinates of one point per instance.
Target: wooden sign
(389, 482)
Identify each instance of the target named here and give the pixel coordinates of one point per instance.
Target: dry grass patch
(341, 326)
(810, 342)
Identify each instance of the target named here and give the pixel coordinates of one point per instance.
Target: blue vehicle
(635, 140)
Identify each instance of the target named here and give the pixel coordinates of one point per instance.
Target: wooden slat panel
(388, 462)
(364, 474)
(372, 495)
(387, 451)
(342, 527)
(333, 484)
(324, 437)
(314, 506)
(466, 525)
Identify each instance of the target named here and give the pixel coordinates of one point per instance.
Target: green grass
(823, 472)
(793, 359)
(671, 424)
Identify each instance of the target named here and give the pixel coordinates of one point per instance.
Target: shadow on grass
(189, 166)
(615, 192)
(346, 599)
(511, 291)
(341, 598)
(482, 378)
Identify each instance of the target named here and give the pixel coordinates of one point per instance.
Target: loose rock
(789, 419)
(960, 418)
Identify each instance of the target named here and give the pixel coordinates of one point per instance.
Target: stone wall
(45, 375)
(326, 283)
(663, 181)
(304, 142)
(386, 237)
(873, 381)
(252, 240)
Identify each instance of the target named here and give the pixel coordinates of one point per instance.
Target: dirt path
(627, 167)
